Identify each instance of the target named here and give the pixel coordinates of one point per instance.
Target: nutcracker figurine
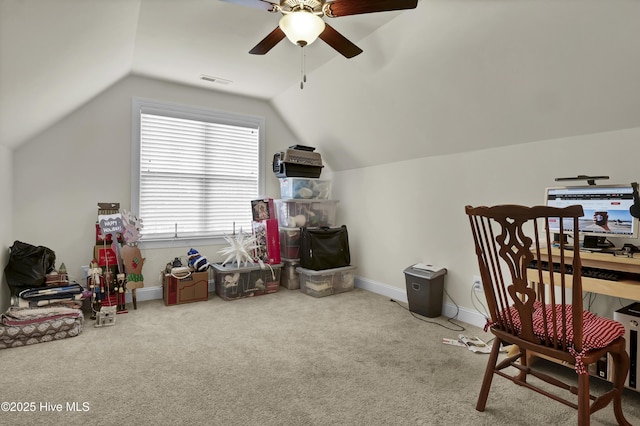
(97, 284)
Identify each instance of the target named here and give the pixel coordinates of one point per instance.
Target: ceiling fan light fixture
(302, 27)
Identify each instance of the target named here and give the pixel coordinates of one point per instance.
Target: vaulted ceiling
(446, 77)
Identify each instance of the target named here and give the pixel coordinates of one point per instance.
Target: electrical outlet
(477, 284)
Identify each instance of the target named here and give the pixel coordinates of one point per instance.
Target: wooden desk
(624, 288)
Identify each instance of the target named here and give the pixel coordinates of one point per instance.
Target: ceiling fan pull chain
(303, 75)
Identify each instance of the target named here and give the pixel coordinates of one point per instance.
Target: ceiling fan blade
(339, 42)
(268, 42)
(356, 7)
(256, 4)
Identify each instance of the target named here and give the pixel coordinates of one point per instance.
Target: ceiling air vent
(214, 79)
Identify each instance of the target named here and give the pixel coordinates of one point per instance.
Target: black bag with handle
(324, 248)
(28, 266)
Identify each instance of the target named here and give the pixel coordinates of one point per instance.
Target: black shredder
(425, 288)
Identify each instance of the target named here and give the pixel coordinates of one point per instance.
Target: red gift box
(267, 240)
(104, 254)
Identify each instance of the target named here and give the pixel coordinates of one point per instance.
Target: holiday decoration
(241, 247)
(197, 261)
(131, 256)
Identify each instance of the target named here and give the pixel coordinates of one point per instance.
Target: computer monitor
(606, 211)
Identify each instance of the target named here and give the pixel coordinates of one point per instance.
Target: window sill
(181, 242)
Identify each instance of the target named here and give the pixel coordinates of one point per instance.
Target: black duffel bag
(28, 266)
(324, 248)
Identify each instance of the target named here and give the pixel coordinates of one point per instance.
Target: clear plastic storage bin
(233, 282)
(305, 188)
(326, 282)
(296, 213)
(289, 243)
(290, 278)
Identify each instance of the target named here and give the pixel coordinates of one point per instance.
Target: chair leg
(584, 401)
(620, 370)
(488, 375)
(524, 361)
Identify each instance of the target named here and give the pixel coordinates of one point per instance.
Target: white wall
(63, 173)
(412, 211)
(398, 213)
(459, 74)
(6, 236)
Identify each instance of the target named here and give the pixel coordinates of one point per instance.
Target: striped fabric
(598, 332)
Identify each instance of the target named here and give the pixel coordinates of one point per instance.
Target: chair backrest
(524, 269)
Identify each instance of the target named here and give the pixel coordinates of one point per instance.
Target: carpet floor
(355, 358)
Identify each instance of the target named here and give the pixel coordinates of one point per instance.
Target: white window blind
(198, 172)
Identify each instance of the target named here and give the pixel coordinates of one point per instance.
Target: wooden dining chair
(533, 286)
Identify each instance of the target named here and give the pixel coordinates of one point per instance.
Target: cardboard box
(194, 288)
(267, 240)
(234, 282)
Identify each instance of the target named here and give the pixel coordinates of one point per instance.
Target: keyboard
(601, 274)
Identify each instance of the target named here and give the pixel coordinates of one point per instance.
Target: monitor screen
(606, 209)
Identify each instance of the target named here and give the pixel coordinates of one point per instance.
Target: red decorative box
(268, 241)
(194, 288)
(104, 254)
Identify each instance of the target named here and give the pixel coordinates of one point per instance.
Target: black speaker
(635, 208)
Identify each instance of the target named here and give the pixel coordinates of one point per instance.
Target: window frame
(191, 113)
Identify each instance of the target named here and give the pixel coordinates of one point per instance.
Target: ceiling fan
(302, 21)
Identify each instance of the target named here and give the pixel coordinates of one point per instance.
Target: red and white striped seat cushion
(598, 332)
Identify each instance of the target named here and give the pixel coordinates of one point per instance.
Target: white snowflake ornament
(240, 247)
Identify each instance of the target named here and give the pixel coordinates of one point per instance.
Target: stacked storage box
(239, 280)
(265, 229)
(305, 189)
(306, 202)
(326, 282)
(290, 254)
(235, 282)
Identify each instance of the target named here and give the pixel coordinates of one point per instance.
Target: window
(194, 171)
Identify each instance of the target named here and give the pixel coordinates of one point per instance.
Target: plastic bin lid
(288, 228)
(234, 267)
(425, 270)
(307, 201)
(312, 272)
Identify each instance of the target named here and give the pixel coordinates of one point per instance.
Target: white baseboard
(144, 293)
(153, 293)
(448, 309)
(383, 289)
